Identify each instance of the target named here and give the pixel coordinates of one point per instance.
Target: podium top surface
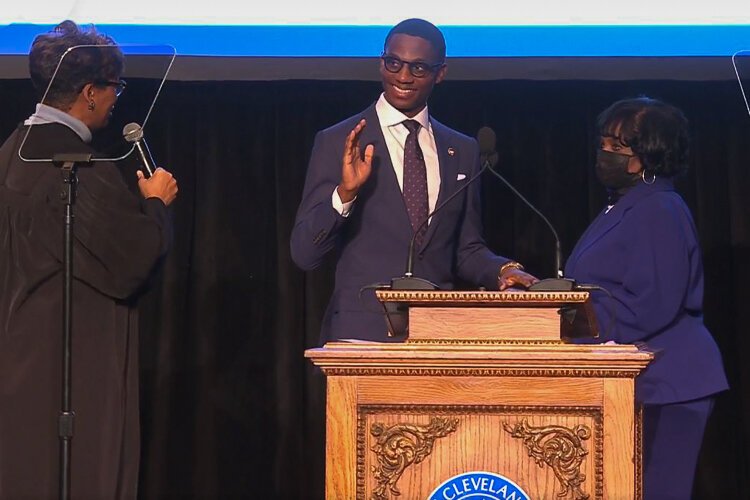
(512, 298)
(359, 357)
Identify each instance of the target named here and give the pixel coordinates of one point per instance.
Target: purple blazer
(372, 243)
(645, 252)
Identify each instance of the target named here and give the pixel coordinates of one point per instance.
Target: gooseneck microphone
(487, 146)
(133, 133)
(396, 313)
(408, 281)
(487, 151)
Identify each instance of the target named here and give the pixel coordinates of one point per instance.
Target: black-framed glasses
(119, 85)
(418, 69)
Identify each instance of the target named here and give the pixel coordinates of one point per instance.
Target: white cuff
(342, 208)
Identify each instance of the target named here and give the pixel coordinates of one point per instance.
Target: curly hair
(657, 133)
(96, 59)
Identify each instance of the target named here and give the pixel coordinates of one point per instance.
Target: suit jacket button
(319, 237)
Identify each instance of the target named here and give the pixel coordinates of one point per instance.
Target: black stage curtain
(230, 408)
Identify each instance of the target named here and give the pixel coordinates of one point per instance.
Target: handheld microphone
(133, 133)
(487, 140)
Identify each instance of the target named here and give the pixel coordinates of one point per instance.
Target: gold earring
(92, 105)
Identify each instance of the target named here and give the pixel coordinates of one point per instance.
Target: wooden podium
(483, 383)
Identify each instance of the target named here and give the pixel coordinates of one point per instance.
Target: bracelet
(509, 265)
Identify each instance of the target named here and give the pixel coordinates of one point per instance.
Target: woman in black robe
(119, 239)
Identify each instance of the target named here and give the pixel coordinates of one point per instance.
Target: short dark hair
(657, 133)
(422, 29)
(80, 66)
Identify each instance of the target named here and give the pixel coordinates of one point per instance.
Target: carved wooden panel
(465, 438)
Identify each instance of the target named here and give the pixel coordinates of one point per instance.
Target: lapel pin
(451, 151)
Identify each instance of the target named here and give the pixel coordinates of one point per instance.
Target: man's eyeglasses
(119, 85)
(417, 69)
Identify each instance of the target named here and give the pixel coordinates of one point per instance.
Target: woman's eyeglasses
(417, 69)
(119, 85)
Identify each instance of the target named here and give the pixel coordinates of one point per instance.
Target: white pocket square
(461, 177)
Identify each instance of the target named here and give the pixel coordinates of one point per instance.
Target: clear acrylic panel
(146, 68)
(741, 63)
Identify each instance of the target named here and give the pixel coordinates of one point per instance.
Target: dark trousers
(672, 437)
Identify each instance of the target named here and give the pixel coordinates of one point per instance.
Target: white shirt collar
(390, 116)
(48, 114)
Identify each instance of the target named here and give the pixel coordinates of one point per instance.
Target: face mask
(612, 170)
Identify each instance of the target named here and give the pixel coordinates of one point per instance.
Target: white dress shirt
(395, 133)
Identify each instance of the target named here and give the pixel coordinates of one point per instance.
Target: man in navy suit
(367, 204)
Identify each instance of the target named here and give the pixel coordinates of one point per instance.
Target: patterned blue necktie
(415, 181)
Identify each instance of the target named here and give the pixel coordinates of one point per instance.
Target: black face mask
(612, 170)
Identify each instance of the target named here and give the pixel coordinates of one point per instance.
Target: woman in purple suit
(644, 250)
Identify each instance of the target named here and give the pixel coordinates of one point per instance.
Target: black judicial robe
(119, 239)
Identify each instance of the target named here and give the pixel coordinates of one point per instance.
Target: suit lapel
(605, 222)
(385, 176)
(448, 165)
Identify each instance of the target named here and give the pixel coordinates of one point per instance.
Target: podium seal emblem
(478, 486)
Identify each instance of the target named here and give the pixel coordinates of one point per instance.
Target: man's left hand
(515, 278)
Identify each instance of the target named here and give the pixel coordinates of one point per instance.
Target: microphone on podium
(408, 281)
(396, 313)
(487, 150)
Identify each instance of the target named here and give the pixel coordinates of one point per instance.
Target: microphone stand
(66, 418)
(396, 313)
(408, 281)
(558, 283)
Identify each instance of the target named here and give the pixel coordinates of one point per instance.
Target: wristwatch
(511, 264)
